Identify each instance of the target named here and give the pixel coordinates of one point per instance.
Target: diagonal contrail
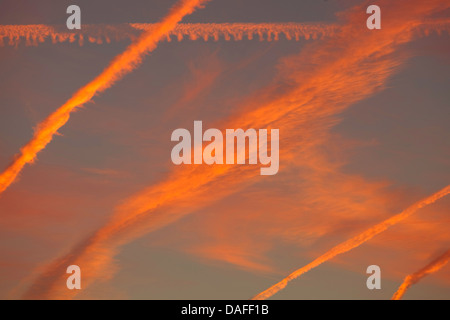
(120, 65)
(414, 278)
(353, 242)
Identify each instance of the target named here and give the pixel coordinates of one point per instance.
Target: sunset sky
(364, 134)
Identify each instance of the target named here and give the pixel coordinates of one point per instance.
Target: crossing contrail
(120, 65)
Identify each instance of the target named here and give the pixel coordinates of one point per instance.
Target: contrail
(121, 65)
(414, 278)
(354, 242)
(342, 71)
(32, 35)
(13, 35)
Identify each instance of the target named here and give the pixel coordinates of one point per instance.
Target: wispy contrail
(121, 65)
(353, 242)
(414, 278)
(32, 35)
(323, 80)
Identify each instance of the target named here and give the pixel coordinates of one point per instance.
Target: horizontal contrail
(354, 242)
(39, 33)
(120, 65)
(32, 35)
(414, 278)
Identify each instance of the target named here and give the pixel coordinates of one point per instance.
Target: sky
(363, 118)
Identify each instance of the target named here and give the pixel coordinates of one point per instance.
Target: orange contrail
(354, 242)
(320, 82)
(13, 35)
(121, 65)
(414, 278)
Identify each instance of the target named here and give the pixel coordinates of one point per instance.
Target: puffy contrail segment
(353, 242)
(32, 35)
(318, 83)
(13, 35)
(121, 65)
(414, 278)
